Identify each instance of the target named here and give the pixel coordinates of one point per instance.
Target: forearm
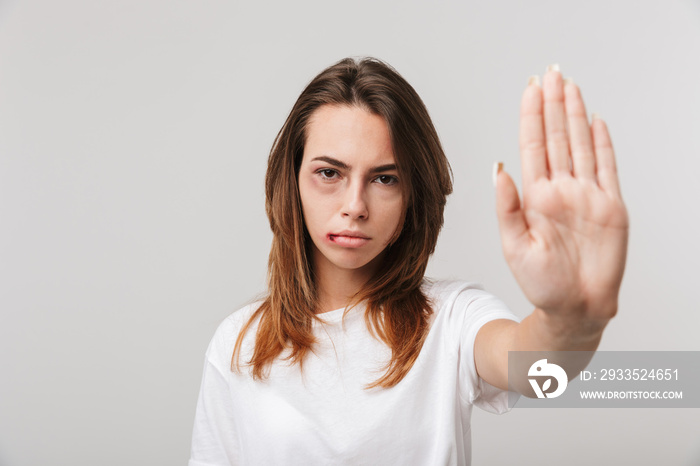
(550, 331)
(569, 340)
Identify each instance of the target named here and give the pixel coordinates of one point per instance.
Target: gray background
(133, 144)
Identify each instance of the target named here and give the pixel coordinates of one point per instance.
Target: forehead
(348, 132)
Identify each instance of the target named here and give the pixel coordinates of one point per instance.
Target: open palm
(566, 242)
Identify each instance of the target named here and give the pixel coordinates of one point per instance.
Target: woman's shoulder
(462, 299)
(441, 291)
(461, 308)
(233, 323)
(226, 334)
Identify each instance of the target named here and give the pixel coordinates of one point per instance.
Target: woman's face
(350, 188)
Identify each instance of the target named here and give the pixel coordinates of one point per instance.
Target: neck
(335, 287)
(335, 292)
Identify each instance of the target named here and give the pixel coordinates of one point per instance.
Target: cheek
(304, 197)
(316, 201)
(391, 211)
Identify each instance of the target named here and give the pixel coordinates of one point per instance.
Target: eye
(327, 173)
(387, 180)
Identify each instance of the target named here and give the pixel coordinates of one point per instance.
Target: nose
(355, 202)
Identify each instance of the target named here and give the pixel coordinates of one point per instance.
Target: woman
(354, 357)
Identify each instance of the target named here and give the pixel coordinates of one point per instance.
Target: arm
(213, 434)
(566, 243)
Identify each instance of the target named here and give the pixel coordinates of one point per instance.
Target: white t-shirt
(325, 415)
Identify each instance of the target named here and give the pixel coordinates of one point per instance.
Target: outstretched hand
(566, 242)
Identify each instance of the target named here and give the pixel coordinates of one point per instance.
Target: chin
(350, 264)
(349, 260)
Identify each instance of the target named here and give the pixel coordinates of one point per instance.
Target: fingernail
(553, 67)
(568, 81)
(595, 116)
(497, 168)
(533, 80)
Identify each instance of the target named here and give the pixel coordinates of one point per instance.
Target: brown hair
(397, 311)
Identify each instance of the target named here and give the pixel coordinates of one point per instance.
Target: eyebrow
(344, 166)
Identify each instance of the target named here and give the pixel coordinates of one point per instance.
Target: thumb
(511, 218)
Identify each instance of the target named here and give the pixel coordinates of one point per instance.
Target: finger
(605, 157)
(555, 123)
(533, 152)
(511, 218)
(581, 143)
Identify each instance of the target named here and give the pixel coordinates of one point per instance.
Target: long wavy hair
(397, 311)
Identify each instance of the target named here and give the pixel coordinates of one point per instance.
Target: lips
(349, 239)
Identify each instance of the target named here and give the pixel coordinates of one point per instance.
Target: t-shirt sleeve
(213, 419)
(477, 308)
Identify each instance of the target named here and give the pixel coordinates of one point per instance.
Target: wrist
(574, 331)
